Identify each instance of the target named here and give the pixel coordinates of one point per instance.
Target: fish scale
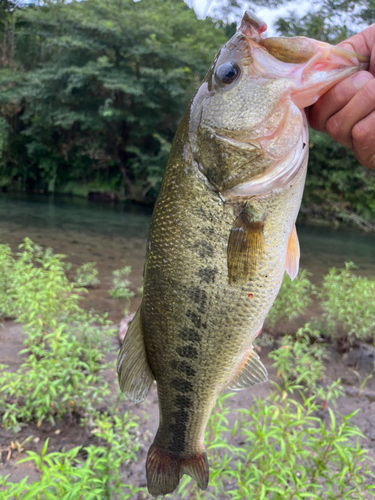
(221, 236)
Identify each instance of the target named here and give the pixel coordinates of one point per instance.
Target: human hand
(347, 111)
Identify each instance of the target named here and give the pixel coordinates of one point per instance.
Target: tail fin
(164, 471)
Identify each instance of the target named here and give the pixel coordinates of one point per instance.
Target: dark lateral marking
(181, 417)
(178, 433)
(304, 145)
(204, 249)
(198, 296)
(182, 401)
(182, 385)
(196, 319)
(185, 368)
(190, 335)
(207, 275)
(188, 351)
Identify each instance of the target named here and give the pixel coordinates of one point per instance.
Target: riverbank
(67, 433)
(116, 236)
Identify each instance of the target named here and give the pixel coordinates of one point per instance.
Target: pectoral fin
(292, 255)
(134, 372)
(245, 247)
(251, 373)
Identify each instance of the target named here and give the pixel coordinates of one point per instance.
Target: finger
(363, 134)
(363, 43)
(340, 125)
(336, 98)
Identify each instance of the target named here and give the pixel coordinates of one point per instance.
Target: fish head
(248, 130)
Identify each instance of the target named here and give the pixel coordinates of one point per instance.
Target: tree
(106, 87)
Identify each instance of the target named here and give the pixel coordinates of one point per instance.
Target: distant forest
(92, 91)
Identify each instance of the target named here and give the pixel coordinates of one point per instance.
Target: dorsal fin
(250, 373)
(292, 254)
(245, 247)
(134, 373)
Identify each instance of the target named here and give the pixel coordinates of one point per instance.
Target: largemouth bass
(222, 235)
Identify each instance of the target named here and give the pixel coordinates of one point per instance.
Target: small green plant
(121, 288)
(363, 380)
(299, 359)
(64, 344)
(279, 449)
(6, 278)
(348, 304)
(87, 275)
(91, 473)
(293, 299)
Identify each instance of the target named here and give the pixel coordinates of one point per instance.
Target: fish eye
(227, 73)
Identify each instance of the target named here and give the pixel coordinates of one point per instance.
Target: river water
(116, 236)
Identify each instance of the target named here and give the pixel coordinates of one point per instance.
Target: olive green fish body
(221, 237)
(197, 328)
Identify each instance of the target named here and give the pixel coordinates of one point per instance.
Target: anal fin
(292, 255)
(250, 373)
(134, 373)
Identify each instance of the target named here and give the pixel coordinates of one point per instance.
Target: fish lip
(348, 53)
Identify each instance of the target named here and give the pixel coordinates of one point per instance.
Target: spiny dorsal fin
(292, 254)
(251, 373)
(245, 247)
(134, 372)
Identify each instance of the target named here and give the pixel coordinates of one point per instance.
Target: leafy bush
(121, 288)
(87, 275)
(348, 304)
(293, 299)
(64, 345)
(6, 266)
(299, 359)
(285, 452)
(38, 291)
(83, 473)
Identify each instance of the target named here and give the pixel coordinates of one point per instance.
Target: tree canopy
(96, 89)
(91, 93)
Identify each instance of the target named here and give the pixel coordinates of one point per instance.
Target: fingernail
(360, 79)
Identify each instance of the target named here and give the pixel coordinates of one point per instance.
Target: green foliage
(293, 299)
(91, 473)
(64, 345)
(6, 269)
(337, 187)
(348, 304)
(285, 451)
(121, 288)
(329, 21)
(278, 448)
(87, 275)
(299, 359)
(99, 89)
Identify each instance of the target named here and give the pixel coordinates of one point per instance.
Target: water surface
(115, 236)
